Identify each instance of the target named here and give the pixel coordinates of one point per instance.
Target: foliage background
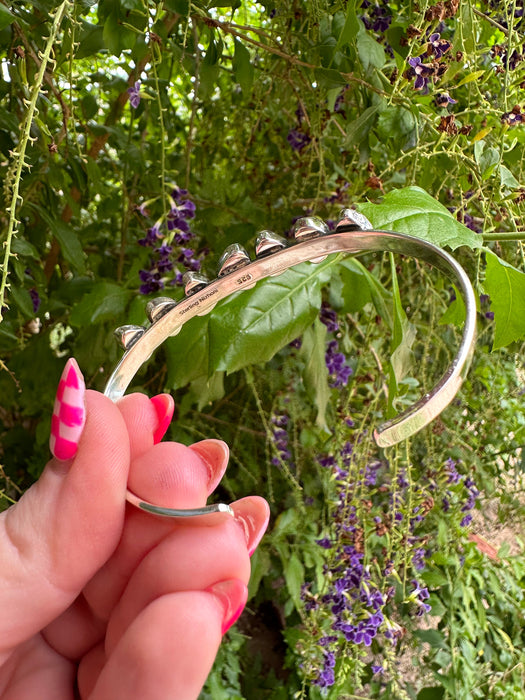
(264, 112)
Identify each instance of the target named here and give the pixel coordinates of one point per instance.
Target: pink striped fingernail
(69, 413)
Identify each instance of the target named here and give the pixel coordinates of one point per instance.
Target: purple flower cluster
(340, 372)
(281, 439)
(484, 301)
(418, 596)
(423, 73)
(298, 140)
(161, 238)
(378, 18)
(356, 607)
(453, 477)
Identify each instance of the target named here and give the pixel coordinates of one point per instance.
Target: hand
(99, 600)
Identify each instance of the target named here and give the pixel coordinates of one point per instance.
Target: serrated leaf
(506, 288)
(413, 211)
(253, 326)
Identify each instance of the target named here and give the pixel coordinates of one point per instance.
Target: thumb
(67, 524)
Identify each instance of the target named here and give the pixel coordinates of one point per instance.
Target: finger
(64, 527)
(191, 558)
(169, 649)
(168, 474)
(146, 419)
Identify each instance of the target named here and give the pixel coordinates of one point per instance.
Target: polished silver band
(238, 273)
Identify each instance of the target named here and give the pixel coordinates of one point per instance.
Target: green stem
(17, 165)
(507, 236)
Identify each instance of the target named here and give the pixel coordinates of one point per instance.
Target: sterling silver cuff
(274, 255)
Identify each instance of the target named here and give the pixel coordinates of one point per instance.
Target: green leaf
(395, 121)
(6, 17)
(243, 67)
(22, 247)
(67, 238)
(358, 129)
(456, 312)
(371, 54)
(294, 576)
(351, 26)
(435, 638)
(106, 302)
(22, 299)
(506, 288)
(435, 693)
(182, 7)
(350, 287)
(111, 35)
(413, 211)
(403, 337)
(315, 373)
(328, 78)
(251, 327)
(507, 179)
(187, 354)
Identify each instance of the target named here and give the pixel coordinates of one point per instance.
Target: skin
(100, 601)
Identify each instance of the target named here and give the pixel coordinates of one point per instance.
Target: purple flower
(35, 299)
(437, 45)
(377, 669)
(466, 520)
(134, 94)
(422, 73)
(443, 99)
(336, 365)
(298, 140)
(329, 317)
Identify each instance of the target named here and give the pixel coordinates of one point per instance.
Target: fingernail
(232, 595)
(253, 514)
(215, 454)
(164, 405)
(69, 413)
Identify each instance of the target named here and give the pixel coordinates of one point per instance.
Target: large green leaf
(413, 211)
(249, 327)
(506, 288)
(254, 325)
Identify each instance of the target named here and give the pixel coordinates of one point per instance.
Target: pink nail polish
(69, 413)
(232, 595)
(253, 514)
(164, 406)
(215, 454)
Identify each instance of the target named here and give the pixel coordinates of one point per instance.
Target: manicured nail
(215, 454)
(232, 595)
(252, 513)
(69, 413)
(164, 405)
